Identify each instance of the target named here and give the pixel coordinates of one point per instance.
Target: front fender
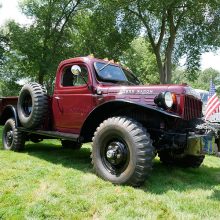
(115, 108)
(156, 109)
(148, 107)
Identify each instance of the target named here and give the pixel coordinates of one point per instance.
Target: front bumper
(191, 143)
(195, 145)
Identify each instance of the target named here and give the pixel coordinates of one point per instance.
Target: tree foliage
(60, 30)
(174, 28)
(202, 80)
(140, 59)
(98, 33)
(41, 45)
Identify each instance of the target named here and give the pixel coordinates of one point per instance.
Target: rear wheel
(182, 160)
(71, 144)
(122, 151)
(12, 138)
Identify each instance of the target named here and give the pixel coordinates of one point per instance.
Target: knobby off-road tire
(71, 144)
(169, 158)
(122, 151)
(32, 105)
(12, 139)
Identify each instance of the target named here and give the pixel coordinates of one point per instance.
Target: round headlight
(164, 100)
(168, 99)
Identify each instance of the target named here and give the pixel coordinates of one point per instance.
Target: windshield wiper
(104, 66)
(124, 83)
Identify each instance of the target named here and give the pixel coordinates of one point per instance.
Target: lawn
(48, 182)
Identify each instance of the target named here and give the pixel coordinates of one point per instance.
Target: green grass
(48, 182)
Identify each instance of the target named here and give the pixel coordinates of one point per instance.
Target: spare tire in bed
(32, 105)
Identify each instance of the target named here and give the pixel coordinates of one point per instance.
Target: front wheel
(12, 138)
(122, 151)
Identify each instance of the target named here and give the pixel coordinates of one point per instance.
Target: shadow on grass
(165, 178)
(215, 195)
(76, 159)
(162, 179)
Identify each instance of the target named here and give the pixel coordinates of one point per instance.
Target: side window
(68, 79)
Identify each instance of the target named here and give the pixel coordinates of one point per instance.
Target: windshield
(110, 73)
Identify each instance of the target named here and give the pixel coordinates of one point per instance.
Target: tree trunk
(40, 77)
(167, 68)
(159, 64)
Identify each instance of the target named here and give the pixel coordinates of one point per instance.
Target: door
(72, 99)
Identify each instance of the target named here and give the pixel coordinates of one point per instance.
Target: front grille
(192, 108)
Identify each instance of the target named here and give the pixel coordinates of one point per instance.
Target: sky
(10, 10)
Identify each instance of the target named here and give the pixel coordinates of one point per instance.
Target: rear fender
(9, 112)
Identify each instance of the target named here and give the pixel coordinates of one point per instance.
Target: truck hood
(148, 89)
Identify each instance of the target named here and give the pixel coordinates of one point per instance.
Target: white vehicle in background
(204, 97)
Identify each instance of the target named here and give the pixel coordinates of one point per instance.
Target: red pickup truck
(101, 101)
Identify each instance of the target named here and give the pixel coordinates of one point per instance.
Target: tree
(3, 47)
(202, 80)
(8, 69)
(99, 33)
(174, 27)
(140, 59)
(3, 44)
(63, 29)
(41, 45)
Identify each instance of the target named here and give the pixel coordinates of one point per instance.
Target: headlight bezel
(165, 100)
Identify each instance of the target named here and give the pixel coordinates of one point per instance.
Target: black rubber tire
(169, 158)
(71, 144)
(140, 152)
(16, 141)
(32, 105)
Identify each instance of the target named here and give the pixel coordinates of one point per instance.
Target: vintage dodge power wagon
(101, 101)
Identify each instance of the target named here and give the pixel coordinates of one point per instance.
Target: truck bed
(7, 101)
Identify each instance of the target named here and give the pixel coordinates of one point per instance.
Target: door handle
(58, 103)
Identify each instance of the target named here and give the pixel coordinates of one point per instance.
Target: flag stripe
(210, 100)
(213, 104)
(210, 106)
(213, 110)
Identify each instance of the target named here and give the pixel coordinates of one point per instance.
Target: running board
(54, 134)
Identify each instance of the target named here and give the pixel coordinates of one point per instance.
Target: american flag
(213, 104)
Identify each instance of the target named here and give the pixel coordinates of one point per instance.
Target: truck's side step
(54, 134)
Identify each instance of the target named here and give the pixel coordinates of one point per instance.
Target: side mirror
(76, 70)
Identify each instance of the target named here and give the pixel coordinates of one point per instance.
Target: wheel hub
(9, 135)
(27, 105)
(116, 153)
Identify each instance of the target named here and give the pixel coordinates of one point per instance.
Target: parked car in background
(204, 97)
